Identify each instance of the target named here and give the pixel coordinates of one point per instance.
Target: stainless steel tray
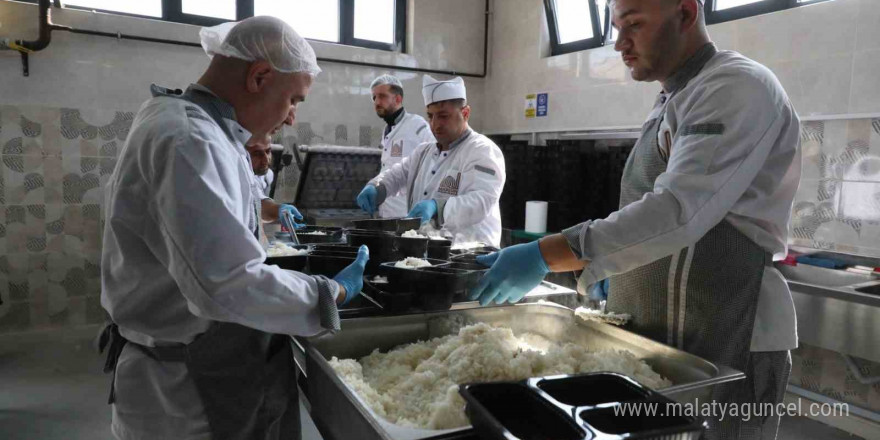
(332, 402)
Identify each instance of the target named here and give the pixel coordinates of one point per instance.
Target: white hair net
(261, 38)
(390, 80)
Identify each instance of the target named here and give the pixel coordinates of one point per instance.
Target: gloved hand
(367, 198)
(515, 271)
(599, 292)
(297, 217)
(426, 209)
(352, 277)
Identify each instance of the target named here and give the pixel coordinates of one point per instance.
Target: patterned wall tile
(17, 278)
(825, 372)
(3, 229)
(38, 278)
(95, 314)
(58, 304)
(53, 178)
(14, 317)
(837, 206)
(23, 179)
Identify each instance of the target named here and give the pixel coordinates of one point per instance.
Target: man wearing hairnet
(454, 183)
(403, 133)
(196, 342)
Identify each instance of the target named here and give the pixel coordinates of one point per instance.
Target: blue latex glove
(426, 209)
(515, 271)
(600, 290)
(297, 217)
(367, 198)
(352, 277)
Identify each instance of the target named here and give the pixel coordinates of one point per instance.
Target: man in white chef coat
(455, 182)
(196, 343)
(260, 153)
(705, 203)
(404, 132)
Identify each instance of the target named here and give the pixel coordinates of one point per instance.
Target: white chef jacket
(408, 132)
(180, 252)
(466, 181)
(264, 183)
(747, 175)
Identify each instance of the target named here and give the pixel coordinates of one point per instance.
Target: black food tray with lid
(431, 288)
(575, 407)
(397, 225)
(290, 262)
(319, 234)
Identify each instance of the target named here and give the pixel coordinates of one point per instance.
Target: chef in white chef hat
(456, 182)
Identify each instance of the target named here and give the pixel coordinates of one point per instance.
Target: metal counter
(332, 401)
(836, 310)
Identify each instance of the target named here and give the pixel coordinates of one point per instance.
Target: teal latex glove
(426, 210)
(297, 217)
(515, 271)
(352, 277)
(367, 199)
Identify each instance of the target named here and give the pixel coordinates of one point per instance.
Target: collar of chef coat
(399, 117)
(225, 110)
(689, 69)
(458, 141)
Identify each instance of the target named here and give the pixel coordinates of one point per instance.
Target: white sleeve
(482, 181)
(396, 178)
(707, 174)
(214, 258)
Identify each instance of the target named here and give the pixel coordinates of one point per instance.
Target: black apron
(702, 299)
(245, 378)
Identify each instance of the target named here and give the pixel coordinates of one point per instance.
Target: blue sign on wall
(542, 105)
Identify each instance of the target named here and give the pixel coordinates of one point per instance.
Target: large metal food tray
(332, 401)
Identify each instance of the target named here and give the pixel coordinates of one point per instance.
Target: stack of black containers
(579, 178)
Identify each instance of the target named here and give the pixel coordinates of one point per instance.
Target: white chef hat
(436, 91)
(261, 38)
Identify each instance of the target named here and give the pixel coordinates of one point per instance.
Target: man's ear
(259, 74)
(466, 112)
(690, 13)
(398, 99)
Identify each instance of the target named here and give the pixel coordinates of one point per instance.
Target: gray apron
(703, 298)
(245, 378)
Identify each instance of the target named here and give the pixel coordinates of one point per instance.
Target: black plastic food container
(290, 262)
(582, 406)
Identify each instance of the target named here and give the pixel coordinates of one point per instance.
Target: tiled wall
(837, 206)
(825, 372)
(54, 164)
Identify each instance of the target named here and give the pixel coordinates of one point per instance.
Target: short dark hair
(397, 90)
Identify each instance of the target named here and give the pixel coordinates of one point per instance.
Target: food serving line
(404, 304)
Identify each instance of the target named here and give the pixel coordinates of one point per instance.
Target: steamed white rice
(281, 249)
(412, 263)
(416, 385)
(412, 233)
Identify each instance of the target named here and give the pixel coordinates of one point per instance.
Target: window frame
(556, 48)
(346, 28)
(172, 11)
(751, 10)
